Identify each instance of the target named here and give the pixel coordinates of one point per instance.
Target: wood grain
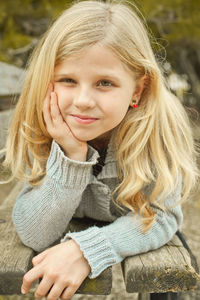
(15, 259)
(166, 269)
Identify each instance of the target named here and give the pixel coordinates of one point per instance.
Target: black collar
(101, 161)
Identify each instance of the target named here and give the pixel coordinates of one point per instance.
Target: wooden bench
(168, 269)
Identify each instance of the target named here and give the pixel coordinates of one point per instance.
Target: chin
(85, 135)
(82, 137)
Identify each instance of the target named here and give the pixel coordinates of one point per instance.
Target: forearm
(124, 237)
(41, 214)
(110, 244)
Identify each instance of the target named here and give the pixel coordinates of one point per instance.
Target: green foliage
(4, 58)
(173, 19)
(13, 13)
(12, 37)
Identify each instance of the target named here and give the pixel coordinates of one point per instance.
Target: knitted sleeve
(41, 213)
(124, 237)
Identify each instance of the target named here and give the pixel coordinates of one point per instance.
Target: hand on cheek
(59, 130)
(62, 269)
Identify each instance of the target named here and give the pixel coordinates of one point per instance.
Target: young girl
(96, 133)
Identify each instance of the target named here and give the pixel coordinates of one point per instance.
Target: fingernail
(23, 291)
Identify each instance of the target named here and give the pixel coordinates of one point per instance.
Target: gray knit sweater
(41, 214)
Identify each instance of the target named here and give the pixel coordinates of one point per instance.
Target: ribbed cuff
(96, 248)
(67, 171)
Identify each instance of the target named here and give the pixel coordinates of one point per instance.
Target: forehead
(96, 58)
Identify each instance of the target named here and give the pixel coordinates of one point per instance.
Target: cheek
(117, 109)
(115, 115)
(120, 114)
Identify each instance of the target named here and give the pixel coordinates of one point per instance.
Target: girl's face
(94, 92)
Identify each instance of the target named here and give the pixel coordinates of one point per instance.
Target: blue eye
(67, 80)
(105, 83)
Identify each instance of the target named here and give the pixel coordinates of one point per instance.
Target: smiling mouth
(84, 119)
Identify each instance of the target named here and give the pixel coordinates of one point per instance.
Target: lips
(84, 117)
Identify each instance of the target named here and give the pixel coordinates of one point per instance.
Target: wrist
(80, 155)
(77, 157)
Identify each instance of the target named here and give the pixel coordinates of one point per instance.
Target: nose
(83, 98)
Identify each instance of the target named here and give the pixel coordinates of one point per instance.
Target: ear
(141, 84)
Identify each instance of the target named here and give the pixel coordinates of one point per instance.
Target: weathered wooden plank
(16, 258)
(5, 118)
(166, 269)
(11, 79)
(144, 296)
(101, 285)
(8, 102)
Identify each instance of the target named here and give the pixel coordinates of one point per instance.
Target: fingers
(46, 106)
(52, 115)
(55, 111)
(29, 278)
(38, 258)
(53, 291)
(56, 291)
(68, 293)
(50, 107)
(44, 287)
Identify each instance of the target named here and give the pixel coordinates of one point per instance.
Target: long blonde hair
(155, 142)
